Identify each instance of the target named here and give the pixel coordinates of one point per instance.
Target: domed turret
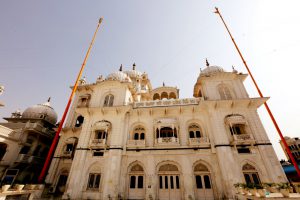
(43, 111)
(134, 74)
(118, 76)
(211, 70)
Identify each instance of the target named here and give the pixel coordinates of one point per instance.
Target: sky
(43, 44)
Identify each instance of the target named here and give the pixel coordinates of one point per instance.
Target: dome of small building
(210, 70)
(134, 73)
(118, 76)
(42, 111)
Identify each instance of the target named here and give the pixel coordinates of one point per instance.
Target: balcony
(136, 143)
(36, 127)
(168, 141)
(202, 141)
(243, 139)
(98, 143)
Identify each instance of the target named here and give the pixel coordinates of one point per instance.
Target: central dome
(42, 111)
(118, 76)
(133, 73)
(211, 70)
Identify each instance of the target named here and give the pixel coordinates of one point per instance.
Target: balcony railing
(167, 102)
(243, 138)
(167, 141)
(39, 128)
(136, 143)
(98, 143)
(199, 141)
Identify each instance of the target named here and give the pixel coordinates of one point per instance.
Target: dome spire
(133, 66)
(164, 84)
(121, 68)
(49, 99)
(207, 63)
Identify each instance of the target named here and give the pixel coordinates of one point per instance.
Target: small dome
(118, 76)
(134, 73)
(43, 111)
(211, 70)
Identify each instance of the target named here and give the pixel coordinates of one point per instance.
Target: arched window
(164, 95)
(101, 131)
(79, 121)
(194, 131)
(108, 101)
(156, 96)
(138, 133)
(169, 176)
(250, 174)
(224, 92)
(136, 181)
(70, 146)
(203, 182)
(84, 100)
(172, 95)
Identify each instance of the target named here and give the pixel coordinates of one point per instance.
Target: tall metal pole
(55, 140)
(261, 95)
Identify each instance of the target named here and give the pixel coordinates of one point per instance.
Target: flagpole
(261, 95)
(55, 140)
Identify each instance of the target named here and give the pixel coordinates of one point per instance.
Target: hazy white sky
(42, 45)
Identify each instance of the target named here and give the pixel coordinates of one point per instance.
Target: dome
(211, 70)
(134, 73)
(118, 76)
(44, 111)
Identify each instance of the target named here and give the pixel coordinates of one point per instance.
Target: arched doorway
(136, 182)
(169, 182)
(203, 183)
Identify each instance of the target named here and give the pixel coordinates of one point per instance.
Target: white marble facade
(125, 140)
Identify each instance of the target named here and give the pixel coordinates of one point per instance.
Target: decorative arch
(164, 95)
(138, 132)
(250, 172)
(156, 96)
(169, 179)
(168, 162)
(136, 180)
(172, 95)
(203, 181)
(101, 130)
(225, 92)
(134, 163)
(70, 146)
(108, 100)
(94, 176)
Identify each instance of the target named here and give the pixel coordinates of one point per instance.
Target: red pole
(55, 140)
(261, 95)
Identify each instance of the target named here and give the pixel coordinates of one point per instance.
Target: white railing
(167, 102)
(136, 143)
(167, 141)
(199, 141)
(98, 142)
(243, 137)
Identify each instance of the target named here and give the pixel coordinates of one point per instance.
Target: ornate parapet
(167, 102)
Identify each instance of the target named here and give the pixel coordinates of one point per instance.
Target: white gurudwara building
(124, 139)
